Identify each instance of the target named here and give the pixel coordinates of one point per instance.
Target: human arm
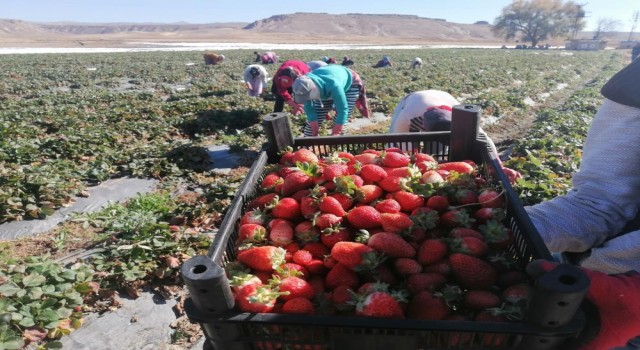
(605, 190)
(615, 316)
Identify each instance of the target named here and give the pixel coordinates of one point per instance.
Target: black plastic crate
(553, 320)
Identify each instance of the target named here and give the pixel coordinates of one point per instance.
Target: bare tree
(537, 20)
(606, 25)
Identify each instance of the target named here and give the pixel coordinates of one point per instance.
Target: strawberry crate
(554, 315)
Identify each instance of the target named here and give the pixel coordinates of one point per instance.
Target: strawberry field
(68, 122)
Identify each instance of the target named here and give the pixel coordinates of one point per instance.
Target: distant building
(585, 45)
(482, 22)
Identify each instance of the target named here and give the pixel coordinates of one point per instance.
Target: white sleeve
(606, 190)
(246, 76)
(617, 255)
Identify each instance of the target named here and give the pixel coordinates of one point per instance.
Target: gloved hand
(295, 107)
(512, 175)
(337, 130)
(616, 298)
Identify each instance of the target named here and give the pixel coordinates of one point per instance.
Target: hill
(298, 27)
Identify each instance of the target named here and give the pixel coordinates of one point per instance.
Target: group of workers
(596, 225)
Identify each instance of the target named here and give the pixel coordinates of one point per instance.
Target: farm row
(69, 121)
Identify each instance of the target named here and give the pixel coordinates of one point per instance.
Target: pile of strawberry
(379, 234)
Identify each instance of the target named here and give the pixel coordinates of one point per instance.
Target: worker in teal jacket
(321, 90)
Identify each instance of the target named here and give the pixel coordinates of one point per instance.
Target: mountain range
(298, 27)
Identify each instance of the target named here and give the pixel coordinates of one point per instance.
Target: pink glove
(617, 299)
(512, 175)
(296, 108)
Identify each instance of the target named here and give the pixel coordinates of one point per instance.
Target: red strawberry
(286, 157)
(437, 202)
(407, 266)
(441, 267)
(306, 232)
(394, 159)
(341, 297)
(261, 201)
(422, 157)
(251, 233)
(472, 272)
(517, 293)
(408, 201)
(496, 234)
(301, 306)
(304, 155)
(388, 206)
(457, 339)
(396, 223)
(459, 167)
(345, 200)
(455, 218)
(292, 269)
(431, 250)
(369, 193)
(295, 182)
(352, 254)
(256, 298)
(364, 217)
(294, 287)
(481, 299)
(372, 173)
(286, 208)
(431, 177)
(392, 183)
(379, 304)
(365, 158)
(465, 232)
(302, 257)
(400, 172)
(327, 221)
(331, 238)
(331, 205)
(308, 207)
(485, 214)
(468, 245)
(341, 275)
(264, 258)
(465, 196)
(391, 244)
(255, 216)
(270, 181)
(490, 198)
(331, 171)
(316, 267)
(317, 249)
(280, 232)
(237, 280)
(426, 306)
(424, 281)
(425, 217)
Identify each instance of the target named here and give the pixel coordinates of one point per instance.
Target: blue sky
(208, 11)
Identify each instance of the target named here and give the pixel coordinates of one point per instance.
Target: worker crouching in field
(325, 88)
(417, 63)
(213, 58)
(384, 62)
(283, 80)
(255, 78)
